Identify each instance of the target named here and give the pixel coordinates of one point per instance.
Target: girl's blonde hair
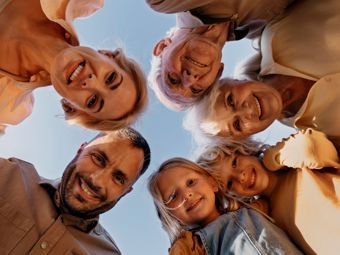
(134, 70)
(169, 222)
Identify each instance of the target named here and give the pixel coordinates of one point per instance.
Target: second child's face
(244, 175)
(190, 195)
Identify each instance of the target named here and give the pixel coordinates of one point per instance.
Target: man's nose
(99, 177)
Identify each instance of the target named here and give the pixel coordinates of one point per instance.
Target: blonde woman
(102, 90)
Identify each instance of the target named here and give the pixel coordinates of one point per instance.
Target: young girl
(190, 205)
(304, 203)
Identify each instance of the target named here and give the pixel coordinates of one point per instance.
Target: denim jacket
(245, 231)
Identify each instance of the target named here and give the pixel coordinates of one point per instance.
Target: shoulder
(100, 232)
(187, 243)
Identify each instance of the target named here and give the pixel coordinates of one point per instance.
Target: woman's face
(190, 195)
(93, 82)
(244, 108)
(243, 175)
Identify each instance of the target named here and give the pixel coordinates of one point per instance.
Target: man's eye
(173, 80)
(229, 184)
(230, 100)
(196, 91)
(237, 125)
(98, 159)
(92, 101)
(119, 178)
(111, 78)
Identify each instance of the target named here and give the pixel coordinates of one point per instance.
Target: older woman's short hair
(162, 91)
(171, 224)
(132, 68)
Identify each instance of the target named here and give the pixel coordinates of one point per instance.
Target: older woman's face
(190, 64)
(244, 108)
(93, 82)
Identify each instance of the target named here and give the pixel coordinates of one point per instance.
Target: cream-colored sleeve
(16, 104)
(306, 149)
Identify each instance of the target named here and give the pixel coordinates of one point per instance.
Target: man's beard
(66, 203)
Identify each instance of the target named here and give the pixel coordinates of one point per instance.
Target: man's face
(100, 175)
(191, 62)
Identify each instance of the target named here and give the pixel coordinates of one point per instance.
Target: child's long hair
(170, 223)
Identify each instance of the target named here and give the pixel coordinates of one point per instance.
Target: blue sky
(45, 139)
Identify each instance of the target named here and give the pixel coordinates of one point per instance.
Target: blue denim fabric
(245, 231)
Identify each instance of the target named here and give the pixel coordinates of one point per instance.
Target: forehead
(120, 152)
(173, 176)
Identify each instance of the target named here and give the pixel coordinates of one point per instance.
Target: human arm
(308, 148)
(187, 244)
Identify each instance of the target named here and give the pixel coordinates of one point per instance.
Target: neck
(293, 91)
(273, 179)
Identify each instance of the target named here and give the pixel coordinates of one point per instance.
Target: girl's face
(189, 195)
(244, 108)
(93, 82)
(243, 175)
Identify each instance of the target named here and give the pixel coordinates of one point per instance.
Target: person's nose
(99, 178)
(190, 77)
(188, 194)
(88, 80)
(242, 176)
(247, 112)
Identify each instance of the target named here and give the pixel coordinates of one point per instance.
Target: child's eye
(229, 184)
(237, 125)
(230, 100)
(234, 162)
(191, 182)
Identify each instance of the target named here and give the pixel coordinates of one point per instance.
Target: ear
(81, 148)
(220, 71)
(161, 45)
(68, 108)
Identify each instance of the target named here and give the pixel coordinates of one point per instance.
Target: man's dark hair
(138, 141)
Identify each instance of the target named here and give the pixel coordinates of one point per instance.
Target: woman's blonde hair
(169, 222)
(83, 119)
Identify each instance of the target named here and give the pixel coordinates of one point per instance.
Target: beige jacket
(305, 203)
(304, 42)
(30, 223)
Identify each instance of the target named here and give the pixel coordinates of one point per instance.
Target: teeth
(77, 71)
(195, 62)
(85, 189)
(258, 106)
